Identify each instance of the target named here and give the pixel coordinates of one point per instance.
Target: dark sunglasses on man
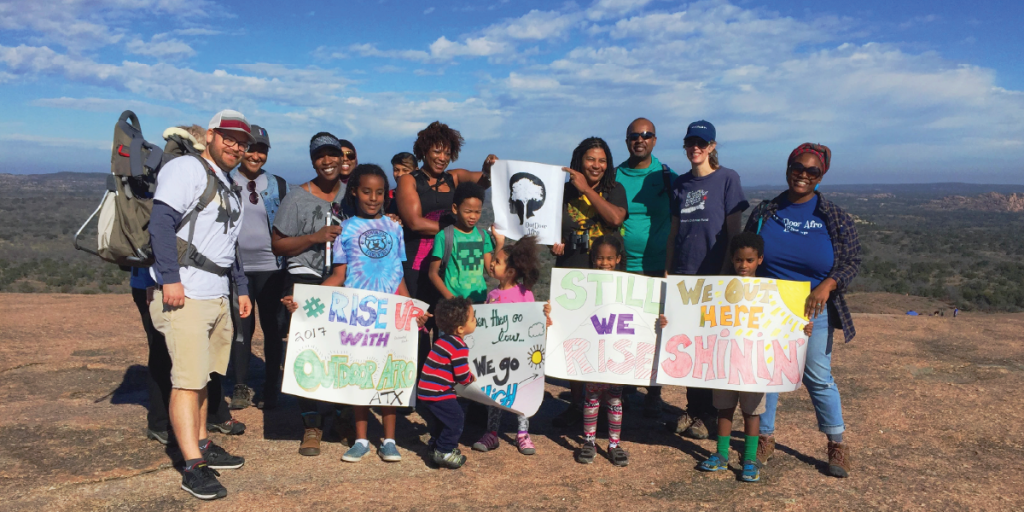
(797, 168)
(637, 135)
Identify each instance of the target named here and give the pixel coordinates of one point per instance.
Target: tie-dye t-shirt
(374, 250)
(464, 275)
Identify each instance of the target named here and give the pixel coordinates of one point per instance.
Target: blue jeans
(818, 381)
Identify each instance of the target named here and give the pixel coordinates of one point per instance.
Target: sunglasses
(796, 169)
(348, 155)
(695, 143)
(254, 198)
(637, 135)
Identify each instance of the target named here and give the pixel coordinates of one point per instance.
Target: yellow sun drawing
(788, 312)
(536, 358)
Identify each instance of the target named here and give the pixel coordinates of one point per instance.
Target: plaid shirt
(845, 248)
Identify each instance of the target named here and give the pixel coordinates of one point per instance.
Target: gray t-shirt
(302, 213)
(701, 205)
(254, 240)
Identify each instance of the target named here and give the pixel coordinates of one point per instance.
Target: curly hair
(437, 134)
(576, 164)
(613, 240)
(452, 313)
(747, 239)
(358, 173)
(522, 257)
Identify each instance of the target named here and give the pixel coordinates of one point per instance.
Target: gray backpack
(449, 246)
(123, 225)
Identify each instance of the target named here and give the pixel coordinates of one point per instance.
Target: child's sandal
(618, 456)
(587, 453)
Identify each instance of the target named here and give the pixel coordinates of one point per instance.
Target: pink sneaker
(525, 444)
(486, 443)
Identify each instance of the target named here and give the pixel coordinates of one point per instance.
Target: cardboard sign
(726, 332)
(506, 353)
(604, 326)
(527, 200)
(352, 346)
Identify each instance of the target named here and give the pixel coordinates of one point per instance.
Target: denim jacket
(271, 198)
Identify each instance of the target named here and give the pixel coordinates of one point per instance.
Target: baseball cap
(260, 135)
(232, 120)
(701, 129)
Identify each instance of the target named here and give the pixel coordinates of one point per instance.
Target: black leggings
(265, 289)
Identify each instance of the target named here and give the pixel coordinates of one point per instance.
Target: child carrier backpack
(123, 224)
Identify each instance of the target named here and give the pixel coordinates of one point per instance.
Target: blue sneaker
(751, 471)
(388, 452)
(714, 463)
(356, 453)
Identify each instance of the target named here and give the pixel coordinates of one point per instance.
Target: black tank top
(435, 205)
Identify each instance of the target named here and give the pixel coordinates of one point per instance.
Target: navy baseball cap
(260, 134)
(702, 130)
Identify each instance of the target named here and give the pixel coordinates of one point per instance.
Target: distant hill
(988, 202)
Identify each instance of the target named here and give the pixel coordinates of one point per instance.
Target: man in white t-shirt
(193, 305)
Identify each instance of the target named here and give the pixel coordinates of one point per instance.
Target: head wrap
(321, 141)
(823, 153)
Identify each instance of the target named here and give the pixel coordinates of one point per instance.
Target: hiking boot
(161, 436)
(587, 453)
(714, 463)
(310, 446)
(765, 448)
(218, 458)
(356, 452)
(201, 482)
(696, 430)
(618, 456)
(242, 397)
(838, 460)
(230, 427)
(653, 405)
(568, 417)
(525, 444)
(486, 443)
(680, 424)
(451, 460)
(388, 452)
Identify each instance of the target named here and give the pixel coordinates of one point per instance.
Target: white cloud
(428, 10)
(56, 142)
(108, 105)
(160, 47)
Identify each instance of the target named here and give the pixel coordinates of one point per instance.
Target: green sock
(750, 448)
(723, 447)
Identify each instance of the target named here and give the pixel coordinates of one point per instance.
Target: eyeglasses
(636, 135)
(254, 198)
(348, 155)
(231, 143)
(695, 142)
(796, 168)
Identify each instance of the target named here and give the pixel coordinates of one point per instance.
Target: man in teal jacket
(648, 186)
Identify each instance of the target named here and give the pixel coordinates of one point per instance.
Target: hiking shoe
(525, 444)
(680, 424)
(218, 458)
(765, 448)
(568, 417)
(652, 406)
(310, 446)
(696, 430)
(355, 454)
(618, 456)
(486, 443)
(751, 471)
(388, 452)
(714, 463)
(242, 397)
(230, 427)
(161, 436)
(587, 453)
(838, 460)
(451, 460)
(201, 482)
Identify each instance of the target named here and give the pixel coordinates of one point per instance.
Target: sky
(903, 92)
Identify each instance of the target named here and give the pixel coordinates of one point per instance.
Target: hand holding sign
(527, 200)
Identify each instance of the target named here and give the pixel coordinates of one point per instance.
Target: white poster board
(726, 332)
(603, 326)
(527, 200)
(506, 354)
(353, 346)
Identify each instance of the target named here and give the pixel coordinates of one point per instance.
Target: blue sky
(901, 91)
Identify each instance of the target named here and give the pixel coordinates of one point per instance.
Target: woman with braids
(809, 238)
(595, 205)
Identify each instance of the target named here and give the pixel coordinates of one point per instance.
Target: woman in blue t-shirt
(808, 238)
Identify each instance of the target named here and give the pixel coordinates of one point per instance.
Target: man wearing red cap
(192, 305)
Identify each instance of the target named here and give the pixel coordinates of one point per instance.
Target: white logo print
(801, 228)
(694, 201)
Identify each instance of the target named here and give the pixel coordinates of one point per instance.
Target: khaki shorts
(752, 404)
(198, 338)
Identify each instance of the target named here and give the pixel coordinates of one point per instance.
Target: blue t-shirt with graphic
(797, 246)
(702, 204)
(374, 250)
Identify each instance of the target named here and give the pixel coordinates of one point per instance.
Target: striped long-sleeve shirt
(446, 365)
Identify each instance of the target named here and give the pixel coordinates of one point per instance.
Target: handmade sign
(506, 353)
(604, 326)
(352, 346)
(527, 200)
(725, 332)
